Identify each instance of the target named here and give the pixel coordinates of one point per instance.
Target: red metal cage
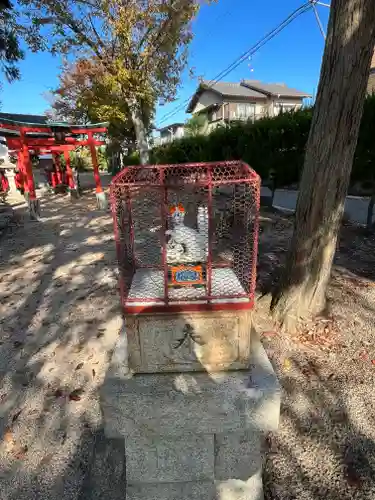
(207, 261)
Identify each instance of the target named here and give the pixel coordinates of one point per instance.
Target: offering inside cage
(188, 248)
(187, 275)
(186, 235)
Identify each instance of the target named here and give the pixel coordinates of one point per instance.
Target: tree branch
(98, 38)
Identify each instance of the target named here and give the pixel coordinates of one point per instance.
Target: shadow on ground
(60, 318)
(325, 447)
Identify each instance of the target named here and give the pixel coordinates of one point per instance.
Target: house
(171, 132)
(223, 102)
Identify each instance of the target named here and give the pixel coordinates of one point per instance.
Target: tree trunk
(370, 211)
(140, 131)
(329, 156)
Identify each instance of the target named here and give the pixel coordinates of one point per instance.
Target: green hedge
(270, 145)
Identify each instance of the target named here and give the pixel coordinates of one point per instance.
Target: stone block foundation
(192, 436)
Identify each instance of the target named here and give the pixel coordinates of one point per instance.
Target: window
(245, 111)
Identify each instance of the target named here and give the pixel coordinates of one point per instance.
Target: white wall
(171, 134)
(208, 98)
(179, 132)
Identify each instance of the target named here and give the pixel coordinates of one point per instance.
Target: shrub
(270, 146)
(132, 159)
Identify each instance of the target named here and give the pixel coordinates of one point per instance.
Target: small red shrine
(34, 134)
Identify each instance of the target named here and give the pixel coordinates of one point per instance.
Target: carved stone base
(206, 341)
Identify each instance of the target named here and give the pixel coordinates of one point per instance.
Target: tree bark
(140, 131)
(330, 149)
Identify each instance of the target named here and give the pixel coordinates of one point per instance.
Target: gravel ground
(59, 319)
(325, 447)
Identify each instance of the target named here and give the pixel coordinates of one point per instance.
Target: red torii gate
(50, 137)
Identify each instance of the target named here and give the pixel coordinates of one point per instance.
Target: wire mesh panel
(186, 235)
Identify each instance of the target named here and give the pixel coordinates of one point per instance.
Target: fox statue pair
(185, 243)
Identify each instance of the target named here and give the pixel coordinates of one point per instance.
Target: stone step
(105, 478)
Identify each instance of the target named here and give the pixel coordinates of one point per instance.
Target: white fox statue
(186, 244)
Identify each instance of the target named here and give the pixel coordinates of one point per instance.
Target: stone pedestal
(194, 436)
(185, 342)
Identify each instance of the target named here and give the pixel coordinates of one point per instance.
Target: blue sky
(223, 31)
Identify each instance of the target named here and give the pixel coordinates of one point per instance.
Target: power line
(297, 12)
(262, 42)
(314, 3)
(227, 13)
(319, 21)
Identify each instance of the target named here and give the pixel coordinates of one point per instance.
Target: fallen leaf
(305, 371)
(16, 415)
(46, 459)
(373, 361)
(287, 364)
(76, 395)
(79, 366)
(93, 372)
(269, 334)
(21, 452)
